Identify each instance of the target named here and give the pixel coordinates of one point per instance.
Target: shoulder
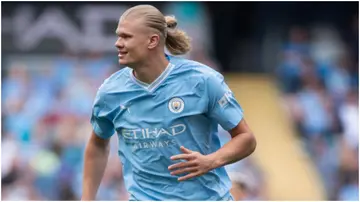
(115, 80)
(194, 69)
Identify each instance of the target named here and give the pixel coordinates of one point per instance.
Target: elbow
(252, 143)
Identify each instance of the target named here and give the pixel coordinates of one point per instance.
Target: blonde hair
(176, 40)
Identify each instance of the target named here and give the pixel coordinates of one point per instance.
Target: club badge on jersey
(176, 105)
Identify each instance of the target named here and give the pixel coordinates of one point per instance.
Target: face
(132, 42)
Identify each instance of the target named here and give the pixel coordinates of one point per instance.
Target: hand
(196, 164)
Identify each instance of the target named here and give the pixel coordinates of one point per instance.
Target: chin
(123, 62)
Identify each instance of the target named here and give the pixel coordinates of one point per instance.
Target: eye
(125, 36)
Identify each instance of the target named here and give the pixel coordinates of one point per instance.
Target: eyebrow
(118, 33)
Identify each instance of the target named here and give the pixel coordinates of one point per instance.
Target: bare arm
(96, 157)
(241, 145)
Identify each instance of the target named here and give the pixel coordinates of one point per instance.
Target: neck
(150, 70)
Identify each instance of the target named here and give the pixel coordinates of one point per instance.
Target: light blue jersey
(183, 107)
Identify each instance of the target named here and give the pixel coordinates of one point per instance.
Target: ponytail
(176, 41)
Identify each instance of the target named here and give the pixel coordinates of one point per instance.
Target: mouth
(122, 53)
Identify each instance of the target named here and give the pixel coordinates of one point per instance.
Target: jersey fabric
(182, 107)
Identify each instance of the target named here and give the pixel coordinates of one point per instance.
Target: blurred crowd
(319, 76)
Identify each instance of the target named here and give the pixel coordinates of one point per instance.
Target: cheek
(137, 48)
(140, 50)
(131, 45)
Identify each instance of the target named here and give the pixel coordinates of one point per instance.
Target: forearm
(96, 157)
(239, 147)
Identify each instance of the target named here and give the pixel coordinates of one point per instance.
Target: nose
(119, 43)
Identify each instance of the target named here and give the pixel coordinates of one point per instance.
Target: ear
(153, 41)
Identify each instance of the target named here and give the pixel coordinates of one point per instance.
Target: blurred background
(293, 66)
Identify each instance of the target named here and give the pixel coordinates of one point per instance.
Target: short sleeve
(101, 124)
(223, 107)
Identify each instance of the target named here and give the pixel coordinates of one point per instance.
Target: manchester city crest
(176, 105)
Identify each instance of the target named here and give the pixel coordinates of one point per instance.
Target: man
(165, 111)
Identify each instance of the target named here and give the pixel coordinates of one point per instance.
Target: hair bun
(171, 22)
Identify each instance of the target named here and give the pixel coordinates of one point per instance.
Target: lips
(122, 53)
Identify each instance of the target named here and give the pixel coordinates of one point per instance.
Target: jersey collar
(151, 87)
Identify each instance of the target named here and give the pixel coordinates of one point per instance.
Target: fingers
(184, 170)
(189, 176)
(185, 156)
(181, 156)
(185, 150)
(185, 167)
(182, 165)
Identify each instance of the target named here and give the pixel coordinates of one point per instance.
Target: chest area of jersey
(161, 118)
(170, 103)
(160, 107)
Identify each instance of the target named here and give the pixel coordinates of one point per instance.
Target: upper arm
(222, 105)
(100, 118)
(99, 141)
(242, 127)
